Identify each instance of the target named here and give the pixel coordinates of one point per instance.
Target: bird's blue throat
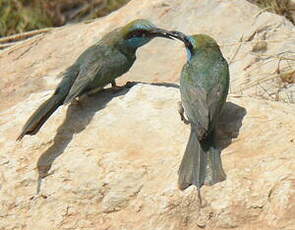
(189, 51)
(188, 54)
(136, 42)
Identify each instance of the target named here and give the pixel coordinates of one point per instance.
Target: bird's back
(107, 62)
(99, 65)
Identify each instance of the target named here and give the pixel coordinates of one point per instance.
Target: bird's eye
(137, 33)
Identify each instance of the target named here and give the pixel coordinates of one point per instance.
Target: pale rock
(115, 166)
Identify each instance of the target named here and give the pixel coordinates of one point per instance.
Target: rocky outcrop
(111, 162)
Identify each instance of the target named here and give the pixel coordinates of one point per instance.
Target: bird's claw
(117, 88)
(129, 84)
(181, 113)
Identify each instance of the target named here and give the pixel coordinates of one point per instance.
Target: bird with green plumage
(96, 67)
(204, 85)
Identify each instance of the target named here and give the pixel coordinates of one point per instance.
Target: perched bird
(204, 87)
(96, 67)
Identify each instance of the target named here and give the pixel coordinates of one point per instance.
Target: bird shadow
(229, 124)
(166, 84)
(78, 116)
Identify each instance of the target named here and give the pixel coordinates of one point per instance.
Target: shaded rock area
(111, 162)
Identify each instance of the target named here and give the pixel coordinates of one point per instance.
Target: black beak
(182, 37)
(178, 35)
(157, 32)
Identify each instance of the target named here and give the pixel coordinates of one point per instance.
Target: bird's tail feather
(192, 169)
(39, 117)
(201, 163)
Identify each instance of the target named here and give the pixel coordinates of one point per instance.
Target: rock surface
(114, 166)
(112, 162)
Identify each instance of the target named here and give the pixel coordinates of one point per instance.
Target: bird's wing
(88, 71)
(217, 95)
(194, 98)
(204, 92)
(98, 66)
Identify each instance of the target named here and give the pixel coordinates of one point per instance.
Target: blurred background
(282, 7)
(17, 16)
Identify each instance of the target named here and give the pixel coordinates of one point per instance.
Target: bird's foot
(129, 84)
(181, 113)
(117, 88)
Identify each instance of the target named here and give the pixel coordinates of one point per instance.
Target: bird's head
(139, 32)
(193, 43)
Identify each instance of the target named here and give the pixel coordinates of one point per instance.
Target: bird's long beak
(158, 32)
(180, 36)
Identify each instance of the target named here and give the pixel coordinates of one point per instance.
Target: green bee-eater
(96, 67)
(204, 87)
